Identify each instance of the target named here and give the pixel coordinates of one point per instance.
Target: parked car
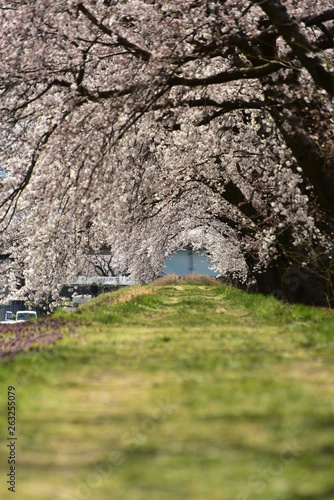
(25, 316)
(20, 316)
(9, 317)
(80, 299)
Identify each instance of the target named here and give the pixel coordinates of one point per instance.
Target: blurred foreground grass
(187, 391)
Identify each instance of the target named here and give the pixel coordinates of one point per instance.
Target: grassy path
(186, 391)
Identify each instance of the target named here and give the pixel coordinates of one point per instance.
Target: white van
(25, 315)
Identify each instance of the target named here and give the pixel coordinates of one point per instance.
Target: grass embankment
(187, 391)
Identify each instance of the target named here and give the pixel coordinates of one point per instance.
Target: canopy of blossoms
(146, 126)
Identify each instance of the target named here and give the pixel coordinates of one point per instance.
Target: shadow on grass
(326, 494)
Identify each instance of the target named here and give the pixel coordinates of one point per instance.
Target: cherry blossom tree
(144, 126)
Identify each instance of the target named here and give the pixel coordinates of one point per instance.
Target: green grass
(184, 391)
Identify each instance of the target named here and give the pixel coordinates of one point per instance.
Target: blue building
(188, 261)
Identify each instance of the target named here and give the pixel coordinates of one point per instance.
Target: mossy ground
(183, 391)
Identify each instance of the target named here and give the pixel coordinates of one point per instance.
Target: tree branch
(132, 47)
(309, 157)
(299, 44)
(327, 15)
(226, 107)
(227, 76)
